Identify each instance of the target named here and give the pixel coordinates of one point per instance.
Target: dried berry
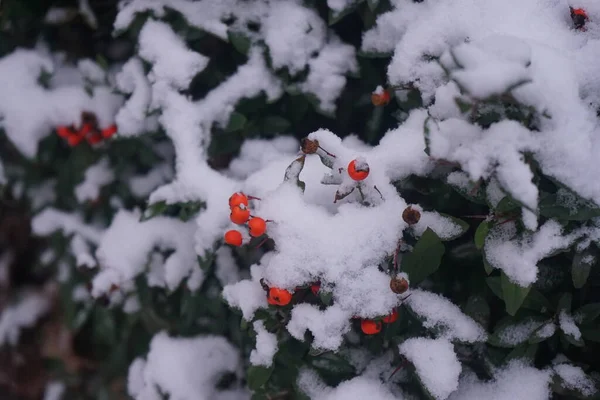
(399, 285)
(309, 146)
(411, 216)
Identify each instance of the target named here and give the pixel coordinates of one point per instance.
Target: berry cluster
(240, 214)
(89, 130)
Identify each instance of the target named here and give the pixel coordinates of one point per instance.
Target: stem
(328, 153)
(261, 243)
(253, 198)
(475, 216)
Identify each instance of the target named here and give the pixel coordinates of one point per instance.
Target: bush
(300, 199)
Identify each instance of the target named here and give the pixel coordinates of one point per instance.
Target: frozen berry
(279, 297)
(579, 17)
(238, 198)
(358, 169)
(239, 215)
(233, 238)
(257, 226)
(411, 216)
(391, 318)
(370, 327)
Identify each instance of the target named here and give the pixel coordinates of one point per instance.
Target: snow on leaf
(439, 312)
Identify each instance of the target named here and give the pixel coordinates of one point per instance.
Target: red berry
(239, 215)
(370, 327)
(238, 198)
(94, 138)
(315, 287)
(74, 139)
(233, 238)
(64, 131)
(391, 318)
(380, 99)
(358, 172)
(257, 226)
(279, 297)
(85, 129)
(108, 132)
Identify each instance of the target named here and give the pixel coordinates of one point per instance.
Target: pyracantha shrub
(228, 199)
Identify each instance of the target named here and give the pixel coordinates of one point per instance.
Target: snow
(575, 379)
(27, 310)
(327, 327)
(226, 269)
(184, 368)
(355, 389)
(50, 220)
(515, 381)
(246, 295)
(54, 391)
(439, 312)
(266, 346)
(28, 112)
(123, 250)
(256, 154)
(436, 364)
(568, 326)
(171, 61)
(515, 334)
(96, 176)
(517, 257)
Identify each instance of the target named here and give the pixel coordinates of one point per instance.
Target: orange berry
(108, 132)
(279, 297)
(380, 99)
(239, 215)
(257, 226)
(64, 131)
(370, 327)
(391, 318)
(238, 198)
(315, 287)
(358, 173)
(233, 238)
(74, 139)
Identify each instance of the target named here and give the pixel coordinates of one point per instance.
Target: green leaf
(591, 333)
(274, 124)
(494, 284)
(481, 233)
(239, 41)
(486, 264)
(462, 105)
(236, 122)
(572, 340)
(524, 351)
(153, 210)
(373, 4)
(506, 205)
(425, 258)
(589, 312)
(512, 294)
(257, 376)
(564, 303)
(567, 205)
(326, 297)
(581, 267)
